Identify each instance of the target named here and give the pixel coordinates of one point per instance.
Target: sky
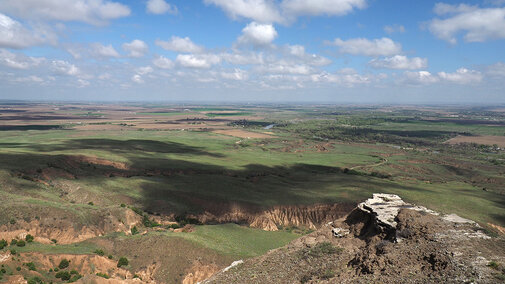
(328, 51)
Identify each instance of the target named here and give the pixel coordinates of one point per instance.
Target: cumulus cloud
(237, 75)
(462, 76)
(298, 51)
(65, 68)
(362, 46)
(400, 62)
(240, 58)
(159, 7)
(497, 70)
(14, 35)
(348, 79)
(94, 12)
(136, 48)
(163, 62)
(180, 44)
(321, 7)
(391, 29)
(263, 11)
(197, 61)
(100, 50)
(419, 77)
(477, 24)
(18, 61)
(283, 67)
(257, 34)
(137, 79)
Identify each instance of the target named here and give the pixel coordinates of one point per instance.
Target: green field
(334, 155)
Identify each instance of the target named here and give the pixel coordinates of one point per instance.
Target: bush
(63, 275)
(35, 280)
(104, 275)
(30, 265)
(91, 203)
(110, 256)
(18, 268)
(73, 272)
(21, 243)
(14, 242)
(29, 238)
(75, 278)
(100, 252)
(64, 263)
(123, 261)
(3, 243)
(56, 269)
(13, 251)
(493, 264)
(12, 221)
(134, 230)
(319, 250)
(54, 241)
(123, 205)
(327, 274)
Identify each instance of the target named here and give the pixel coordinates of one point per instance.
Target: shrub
(493, 264)
(20, 243)
(35, 280)
(64, 263)
(91, 203)
(100, 252)
(123, 261)
(73, 272)
(30, 265)
(3, 243)
(29, 238)
(63, 275)
(110, 256)
(173, 226)
(123, 205)
(3, 270)
(75, 278)
(14, 242)
(18, 268)
(56, 269)
(104, 275)
(134, 230)
(327, 274)
(12, 221)
(54, 241)
(13, 251)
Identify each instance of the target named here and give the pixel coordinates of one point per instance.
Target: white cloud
(159, 7)
(462, 76)
(283, 67)
(477, 24)
(345, 78)
(65, 68)
(18, 61)
(29, 79)
(263, 11)
(362, 46)
(321, 7)
(197, 61)
(180, 44)
(100, 50)
(136, 48)
(144, 70)
(298, 51)
(82, 83)
(400, 62)
(394, 29)
(243, 58)
(137, 79)
(497, 69)
(163, 62)
(237, 74)
(14, 35)
(258, 34)
(95, 12)
(419, 77)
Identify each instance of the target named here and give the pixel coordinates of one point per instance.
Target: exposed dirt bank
(383, 241)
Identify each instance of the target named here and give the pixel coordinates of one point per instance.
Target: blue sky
(334, 51)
